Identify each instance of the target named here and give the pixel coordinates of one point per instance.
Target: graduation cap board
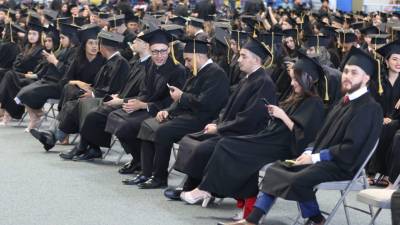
(87, 32)
(178, 20)
(366, 62)
(157, 36)
(110, 39)
(259, 48)
(389, 49)
(68, 30)
(240, 37)
(195, 47)
(317, 41)
(116, 20)
(195, 22)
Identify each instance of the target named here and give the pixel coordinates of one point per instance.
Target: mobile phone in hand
(170, 87)
(266, 102)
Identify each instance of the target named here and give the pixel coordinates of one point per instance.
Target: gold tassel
(254, 33)
(194, 59)
(272, 56)
(11, 33)
(176, 62)
(42, 37)
(380, 89)
(228, 57)
(344, 41)
(326, 98)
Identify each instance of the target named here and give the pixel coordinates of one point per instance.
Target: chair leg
(371, 211)
(73, 140)
(346, 211)
(335, 209)
(109, 149)
(375, 216)
(22, 119)
(121, 154)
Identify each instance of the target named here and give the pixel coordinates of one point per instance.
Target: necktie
(346, 100)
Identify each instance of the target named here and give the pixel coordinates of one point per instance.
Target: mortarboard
(317, 41)
(50, 15)
(258, 48)
(195, 47)
(195, 22)
(389, 49)
(379, 39)
(89, 31)
(110, 39)
(157, 37)
(240, 37)
(179, 20)
(362, 59)
(116, 20)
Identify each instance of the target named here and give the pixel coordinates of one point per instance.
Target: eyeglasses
(159, 52)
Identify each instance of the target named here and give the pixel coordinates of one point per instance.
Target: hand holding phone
(170, 88)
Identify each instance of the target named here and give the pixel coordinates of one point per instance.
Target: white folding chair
(359, 182)
(379, 198)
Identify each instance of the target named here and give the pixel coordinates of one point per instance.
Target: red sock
(248, 206)
(240, 203)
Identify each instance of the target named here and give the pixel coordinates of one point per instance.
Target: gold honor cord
(228, 58)
(380, 89)
(194, 59)
(176, 62)
(11, 33)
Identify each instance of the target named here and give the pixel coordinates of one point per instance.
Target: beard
(353, 88)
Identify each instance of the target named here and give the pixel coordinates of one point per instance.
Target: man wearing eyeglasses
(197, 104)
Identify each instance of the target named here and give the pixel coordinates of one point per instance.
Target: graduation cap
(131, 18)
(369, 30)
(179, 20)
(366, 62)
(176, 31)
(389, 49)
(195, 47)
(151, 22)
(195, 22)
(78, 20)
(357, 25)
(338, 19)
(50, 15)
(395, 33)
(258, 48)
(87, 32)
(157, 37)
(271, 38)
(317, 41)
(222, 36)
(240, 37)
(223, 25)
(12, 30)
(347, 37)
(110, 39)
(379, 39)
(103, 15)
(116, 21)
(68, 30)
(11, 14)
(294, 33)
(34, 23)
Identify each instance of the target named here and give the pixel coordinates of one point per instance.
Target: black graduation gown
(243, 156)
(126, 51)
(14, 80)
(203, 97)
(349, 132)
(109, 80)
(93, 129)
(155, 93)
(243, 114)
(80, 69)
(36, 94)
(388, 100)
(8, 53)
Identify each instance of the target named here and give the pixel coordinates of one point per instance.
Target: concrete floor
(40, 188)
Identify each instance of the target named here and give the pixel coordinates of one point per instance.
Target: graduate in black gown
(153, 96)
(93, 134)
(10, 46)
(232, 170)
(80, 74)
(21, 73)
(35, 95)
(244, 114)
(342, 145)
(197, 104)
(389, 99)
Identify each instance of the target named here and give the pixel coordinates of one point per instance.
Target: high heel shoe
(205, 198)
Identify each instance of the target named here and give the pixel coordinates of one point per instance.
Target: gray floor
(39, 188)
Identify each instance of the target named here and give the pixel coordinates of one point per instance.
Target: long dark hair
(29, 47)
(308, 86)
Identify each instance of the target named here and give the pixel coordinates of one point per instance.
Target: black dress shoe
(136, 180)
(153, 183)
(92, 153)
(173, 193)
(45, 137)
(130, 168)
(71, 154)
(310, 222)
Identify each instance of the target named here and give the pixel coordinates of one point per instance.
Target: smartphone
(170, 88)
(107, 98)
(266, 102)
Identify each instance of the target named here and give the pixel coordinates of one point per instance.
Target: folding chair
(380, 198)
(52, 102)
(359, 182)
(175, 148)
(114, 140)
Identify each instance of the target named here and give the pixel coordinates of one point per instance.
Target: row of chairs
(378, 198)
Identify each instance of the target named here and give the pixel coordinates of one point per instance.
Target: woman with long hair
(35, 95)
(232, 170)
(22, 72)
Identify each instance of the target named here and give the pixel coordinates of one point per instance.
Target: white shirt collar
(198, 32)
(247, 76)
(357, 93)
(209, 61)
(144, 58)
(115, 53)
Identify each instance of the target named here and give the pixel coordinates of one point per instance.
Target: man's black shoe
(136, 180)
(130, 168)
(71, 154)
(153, 183)
(45, 137)
(92, 153)
(173, 193)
